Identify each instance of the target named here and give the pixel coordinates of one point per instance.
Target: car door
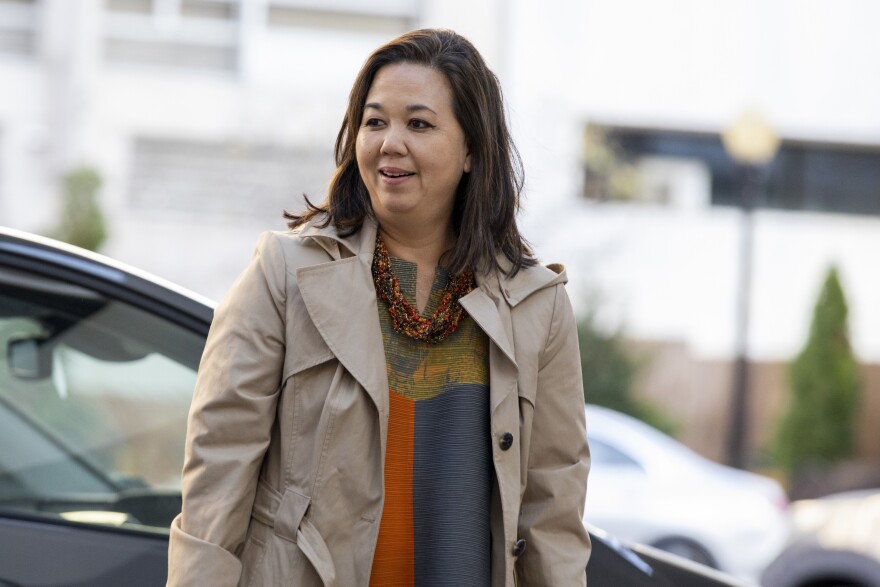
(96, 376)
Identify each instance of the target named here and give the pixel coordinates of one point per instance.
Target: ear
(467, 163)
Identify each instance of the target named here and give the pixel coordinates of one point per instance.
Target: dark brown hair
(487, 200)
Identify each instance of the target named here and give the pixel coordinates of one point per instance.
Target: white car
(646, 487)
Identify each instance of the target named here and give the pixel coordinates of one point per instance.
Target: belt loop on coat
(291, 511)
(283, 512)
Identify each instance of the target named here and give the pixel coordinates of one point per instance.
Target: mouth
(394, 173)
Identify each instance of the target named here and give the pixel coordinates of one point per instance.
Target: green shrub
(81, 223)
(610, 372)
(818, 427)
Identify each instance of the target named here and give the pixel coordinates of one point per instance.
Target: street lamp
(751, 143)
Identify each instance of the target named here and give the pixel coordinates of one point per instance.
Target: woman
(391, 393)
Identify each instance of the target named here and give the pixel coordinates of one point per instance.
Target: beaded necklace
(405, 318)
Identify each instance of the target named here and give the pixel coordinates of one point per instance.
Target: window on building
(18, 27)
(810, 176)
(227, 179)
(281, 16)
(130, 6)
(209, 9)
(615, 171)
(181, 34)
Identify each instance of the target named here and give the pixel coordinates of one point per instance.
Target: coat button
(506, 441)
(519, 547)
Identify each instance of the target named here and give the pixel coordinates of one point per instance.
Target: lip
(394, 170)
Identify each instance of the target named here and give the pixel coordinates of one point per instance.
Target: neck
(423, 247)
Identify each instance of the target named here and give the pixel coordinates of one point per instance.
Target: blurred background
(709, 171)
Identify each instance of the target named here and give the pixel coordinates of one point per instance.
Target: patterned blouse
(438, 467)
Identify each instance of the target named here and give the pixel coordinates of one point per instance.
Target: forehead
(407, 82)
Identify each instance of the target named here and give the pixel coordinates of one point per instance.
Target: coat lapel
(490, 311)
(341, 301)
(490, 306)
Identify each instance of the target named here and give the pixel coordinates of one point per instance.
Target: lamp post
(751, 143)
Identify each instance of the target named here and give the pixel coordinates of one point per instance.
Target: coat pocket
(279, 562)
(292, 551)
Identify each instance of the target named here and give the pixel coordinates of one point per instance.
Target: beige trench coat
(283, 479)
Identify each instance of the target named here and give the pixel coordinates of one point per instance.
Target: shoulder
(538, 298)
(288, 249)
(539, 281)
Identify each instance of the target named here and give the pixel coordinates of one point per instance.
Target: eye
(419, 124)
(372, 122)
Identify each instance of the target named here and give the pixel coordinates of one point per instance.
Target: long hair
(487, 199)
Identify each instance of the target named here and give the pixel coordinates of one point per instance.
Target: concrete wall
(695, 393)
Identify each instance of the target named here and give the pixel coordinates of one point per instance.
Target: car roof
(50, 258)
(662, 454)
(627, 431)
(645, 444)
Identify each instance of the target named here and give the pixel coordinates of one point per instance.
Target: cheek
(359, 149)
(362, 156)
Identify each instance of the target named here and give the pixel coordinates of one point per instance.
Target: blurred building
(205, 118)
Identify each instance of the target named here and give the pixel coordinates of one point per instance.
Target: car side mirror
(29, 358)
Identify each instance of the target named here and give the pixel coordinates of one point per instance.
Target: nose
(394, 142)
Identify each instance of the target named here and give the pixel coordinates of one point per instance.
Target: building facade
(206, 118)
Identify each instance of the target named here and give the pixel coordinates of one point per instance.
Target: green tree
(610, 372)
(82, 223)
(818, 426)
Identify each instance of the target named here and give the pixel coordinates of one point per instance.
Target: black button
(519, 547)
(506, 441)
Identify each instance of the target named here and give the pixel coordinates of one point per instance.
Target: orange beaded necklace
(405, 318)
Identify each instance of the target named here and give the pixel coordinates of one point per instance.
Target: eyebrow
(409, 108)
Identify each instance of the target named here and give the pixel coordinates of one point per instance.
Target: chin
(394, 205)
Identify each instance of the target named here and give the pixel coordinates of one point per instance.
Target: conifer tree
(818, 427)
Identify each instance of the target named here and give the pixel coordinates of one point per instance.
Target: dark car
(97, 366)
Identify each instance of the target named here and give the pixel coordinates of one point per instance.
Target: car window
(602, 453)
(93, 400)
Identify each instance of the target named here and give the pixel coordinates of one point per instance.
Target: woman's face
(411, 151)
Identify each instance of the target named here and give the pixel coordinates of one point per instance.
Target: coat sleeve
(551, 518)
(230, 422)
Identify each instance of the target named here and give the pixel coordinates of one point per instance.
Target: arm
(551, 518)
(230, 421)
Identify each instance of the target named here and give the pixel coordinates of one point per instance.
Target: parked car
(835, 541)
(647, 487)
(97, 365)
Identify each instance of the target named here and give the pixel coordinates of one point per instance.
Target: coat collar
(341, 301)
(513, 289)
